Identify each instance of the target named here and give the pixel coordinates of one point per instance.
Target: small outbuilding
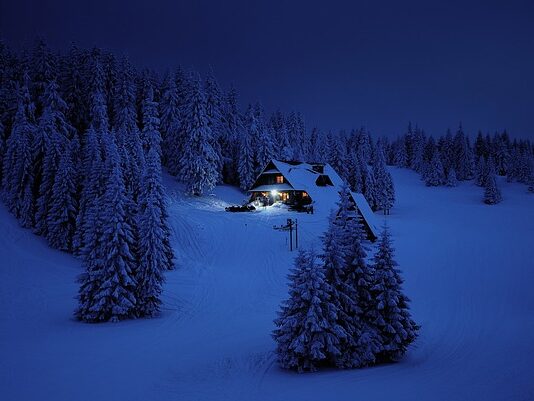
(307, 186)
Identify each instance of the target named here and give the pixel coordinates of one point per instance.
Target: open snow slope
(469, 270)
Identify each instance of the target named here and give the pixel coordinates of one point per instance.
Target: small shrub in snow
(492, 194)
(451, 179)
(434, 174)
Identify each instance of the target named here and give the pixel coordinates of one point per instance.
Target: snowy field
(469, 270)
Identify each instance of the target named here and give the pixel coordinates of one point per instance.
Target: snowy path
(470, 291)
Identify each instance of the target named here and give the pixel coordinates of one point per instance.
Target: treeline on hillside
(452, 158)
(81, 166)
(83, 136)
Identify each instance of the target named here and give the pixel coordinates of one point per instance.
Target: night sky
(342, 64)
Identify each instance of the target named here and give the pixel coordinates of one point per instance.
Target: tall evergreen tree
(464, 156)
(481, 172)
(18, 163)
(61, 216)
(230, 140)
(75, 89)
(352, 284)
(107, 291)
(215, 117)
(151, 180)
(354, 172)
(384, 190)
(170, 126)
(199, 160)
(92, 172)
(390, 310)
(400, 158)
(42, 70)
(492, 194)
(307, 333)
(246, 163)
(54, 129)
(261, 142)
(153, 252)
(434, 174)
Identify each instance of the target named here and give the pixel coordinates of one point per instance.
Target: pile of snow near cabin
(468, 269)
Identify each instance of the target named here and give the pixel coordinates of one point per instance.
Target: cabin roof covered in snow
(366, 212)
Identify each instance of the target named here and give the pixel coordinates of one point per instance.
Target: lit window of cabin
(279, 179)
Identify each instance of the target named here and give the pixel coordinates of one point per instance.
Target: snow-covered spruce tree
(230, 140)
(153, 252)
(151, 123)
(75, 89)
(446, 151)
(300, 146)
(198, 164)
(261, 142)
(55, 131)
(354, 173)
(42, 69)
(368, 185)
(434, 174)
(492, 194)
(308, 334)
(18, 165)
(153, 142)
(127, 133)
(390, 193)
(108, 287)
(384, 189)
(61, 217)
(215, 117)
(451, 181)
(313, 145)
(389, 311)
(400, 158)
(352, 284)
(282, 145)
(246, 163)
(418, 142)
(363, 145)
(92, 172)
(464, 156)
(170, 124)
(481, 172)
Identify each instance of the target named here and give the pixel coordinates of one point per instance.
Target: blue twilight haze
(343, 64)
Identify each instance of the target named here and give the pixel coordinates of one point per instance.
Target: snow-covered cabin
(300, 184)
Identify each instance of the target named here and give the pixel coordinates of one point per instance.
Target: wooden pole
(296, 234)
(290, 222)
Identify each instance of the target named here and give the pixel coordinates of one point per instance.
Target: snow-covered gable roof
(366, 212)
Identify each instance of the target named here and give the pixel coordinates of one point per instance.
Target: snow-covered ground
(469, 270)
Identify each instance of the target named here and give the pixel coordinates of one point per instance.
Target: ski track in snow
(468, 269)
